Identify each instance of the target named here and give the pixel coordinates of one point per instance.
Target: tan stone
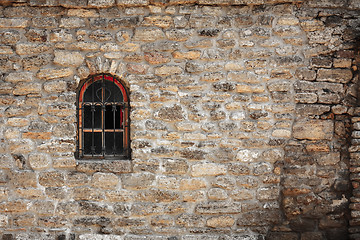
(313, 129)
(104, 180)
(281, 133)
(220, 222)
(30, 193)
(68, 58)
(55, 86)
(64, 162)
(19, 77)
(6, 50)
(31, 48)
(37, 135)
(11, 133)
(13, 22)
(39, 161)
(312, 25)
(18, 122)
(24, 179)
(54, 73)
(84, 13)
(21, 146)
(148, 34)
(23, 88)
(207, 169)
(192, 184)
(190, 55)
(4, 220)
(288, 20)
(16, 206)
(159, 21)
(119, 196)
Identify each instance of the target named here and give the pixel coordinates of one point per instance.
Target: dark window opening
(103, 119)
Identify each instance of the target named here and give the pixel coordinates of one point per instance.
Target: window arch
(103, 119)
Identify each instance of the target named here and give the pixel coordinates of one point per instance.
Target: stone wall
(244, 119)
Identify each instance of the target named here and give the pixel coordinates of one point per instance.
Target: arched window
(103, 119)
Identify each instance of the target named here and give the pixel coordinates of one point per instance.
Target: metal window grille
(103, 119)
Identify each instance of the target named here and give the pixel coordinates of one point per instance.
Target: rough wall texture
(244, 119)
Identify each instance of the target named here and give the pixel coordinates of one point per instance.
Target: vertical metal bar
(77, 127)
(92, 116)
(81, 135)
(114, 117)
(103, 109)
(114, 112)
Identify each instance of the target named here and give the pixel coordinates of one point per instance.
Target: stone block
(132, 3)
(207, 169)
(148, 34)
(335, 75)
(175, 166)
(220, 222)
(13, 23)
(16, 206)
(52, 179)
(72, 22)
(39, 161)
(19, 77)
(6, 50)
(101, 3)
(54, 73)
(44, 22)
(158, 21)
(36, 62)
(9, 37)
(68, 58)
(138, 180)
(23, 179)
(31, 48)
(87, 194)
(218, 208)
(192, 184)
(21, 146)
(24, 88)
(104, 180)
(313, 129)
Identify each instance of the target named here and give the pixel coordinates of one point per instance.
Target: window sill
(104, 165)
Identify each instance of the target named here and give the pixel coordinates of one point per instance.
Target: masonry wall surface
(244, 119)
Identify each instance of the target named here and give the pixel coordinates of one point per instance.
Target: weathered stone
(105, 180)
(335, 75)
(313, 129)
(207, 169)
(138, 181)
(39, 161)
(54, 73)
(31, 48)
(52, 179)
(218, 208)
(67, 58)
(174, 113)
(72, 22)
(148, 34)
(13, 22)
(24, 88)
